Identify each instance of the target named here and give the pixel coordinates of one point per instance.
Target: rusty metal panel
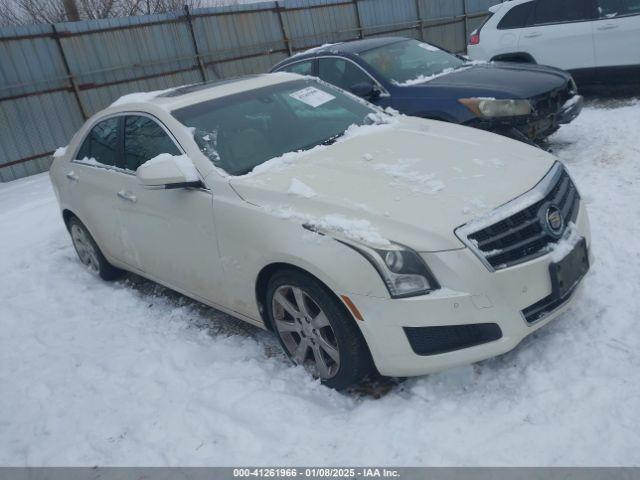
(441, 9)
(480, 6)
(109, 51)
(33, 126)
(309, 23)
(233, 40)
(31, 123)
(29, 60)
(399, 17)
(450, 36)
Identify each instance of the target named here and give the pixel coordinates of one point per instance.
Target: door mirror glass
(365, 90)
(168, 171)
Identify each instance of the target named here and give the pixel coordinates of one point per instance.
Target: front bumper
(571, 109)
(535, 127)
(471, 294)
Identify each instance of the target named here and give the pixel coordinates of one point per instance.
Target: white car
(596, 40)
(363, 239)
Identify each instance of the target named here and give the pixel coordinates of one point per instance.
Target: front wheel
(89, 253)
(316, 331)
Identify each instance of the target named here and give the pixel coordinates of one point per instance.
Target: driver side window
(144, 139)
(341, 73)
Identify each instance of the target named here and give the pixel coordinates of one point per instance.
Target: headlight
(490, 107)
(403, 271)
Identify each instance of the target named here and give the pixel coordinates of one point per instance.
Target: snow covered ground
(128, 373)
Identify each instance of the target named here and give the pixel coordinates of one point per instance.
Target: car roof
(353, 47)
(185, 95)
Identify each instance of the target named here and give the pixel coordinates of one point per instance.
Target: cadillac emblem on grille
(551, 220)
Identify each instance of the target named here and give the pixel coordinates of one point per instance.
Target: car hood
(500, 80)
(412, 181)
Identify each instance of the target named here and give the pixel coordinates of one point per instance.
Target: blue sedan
(522, 101)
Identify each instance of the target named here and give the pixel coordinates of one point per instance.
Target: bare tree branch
(21, 12)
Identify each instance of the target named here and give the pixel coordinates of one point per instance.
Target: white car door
(168, 234)
(560, 34)
(617, 33)
(92, 184)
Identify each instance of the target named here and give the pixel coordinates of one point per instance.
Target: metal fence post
(358, 19)
(466, 23)
(420, 22)
(285, 37)
(72, 81)
(203, 71)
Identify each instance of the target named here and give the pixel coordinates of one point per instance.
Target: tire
(336, 332)
(89, 253)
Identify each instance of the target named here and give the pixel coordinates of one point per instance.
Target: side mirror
(365, 90)
(168, 171)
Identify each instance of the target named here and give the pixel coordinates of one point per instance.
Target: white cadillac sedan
(363, 239)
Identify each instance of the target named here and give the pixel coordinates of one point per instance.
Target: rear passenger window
(554, 11)
(614, 8)
(101, 144)
(301, 68)
(143, 140)
(633, 7)
(518, 17)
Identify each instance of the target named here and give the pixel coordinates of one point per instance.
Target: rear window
(554, 11)
(518, 17)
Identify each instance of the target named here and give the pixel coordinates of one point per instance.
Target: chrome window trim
(383, 93)
(537, 193)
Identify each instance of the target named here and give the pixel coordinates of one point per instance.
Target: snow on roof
(177, 97)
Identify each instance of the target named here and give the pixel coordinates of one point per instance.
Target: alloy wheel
(305, 331)
(85, 248)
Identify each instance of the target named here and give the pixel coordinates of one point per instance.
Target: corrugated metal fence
(53, 77)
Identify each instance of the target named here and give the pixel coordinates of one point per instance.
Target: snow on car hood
(412, 182)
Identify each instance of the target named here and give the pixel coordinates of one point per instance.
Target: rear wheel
(89, 252)
(316, 331)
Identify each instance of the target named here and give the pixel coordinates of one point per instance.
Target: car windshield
(410, 62)
(239, 132)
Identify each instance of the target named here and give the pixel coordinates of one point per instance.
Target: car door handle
(127, 196)
(532, 35)
(607, 27)
(72, 176)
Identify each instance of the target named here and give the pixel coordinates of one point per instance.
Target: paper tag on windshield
(426, 46)
(312, 96)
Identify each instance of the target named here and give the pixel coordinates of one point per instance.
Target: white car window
(144, 139)
(614, 8)
(101, 144)
(518, 17)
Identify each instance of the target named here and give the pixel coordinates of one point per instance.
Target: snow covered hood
(413, 181)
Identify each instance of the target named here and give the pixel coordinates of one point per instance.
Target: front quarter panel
(251, 238)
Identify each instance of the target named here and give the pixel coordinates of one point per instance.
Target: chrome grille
(521, 236)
